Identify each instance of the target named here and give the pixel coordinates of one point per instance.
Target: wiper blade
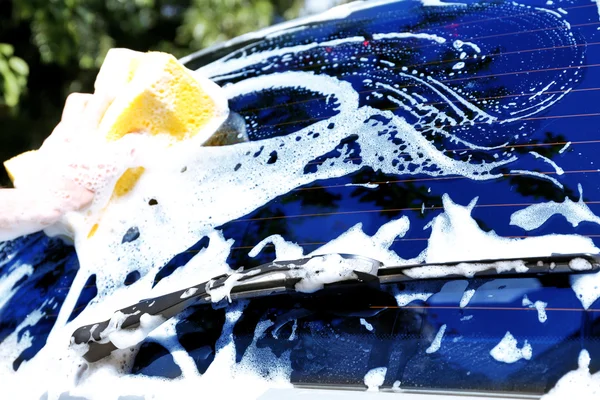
(129, 326)
(531, 266)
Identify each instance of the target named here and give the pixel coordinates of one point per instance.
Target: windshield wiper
(129, 326)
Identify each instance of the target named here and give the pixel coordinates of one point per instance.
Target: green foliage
(210, 21)
(14, 72)
(55, 47)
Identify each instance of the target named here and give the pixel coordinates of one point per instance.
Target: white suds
(564, 148)
(365, 185)
(438, 3)
(9, 280)
(409, 35)
(367, 325)
(467, 295)
(374, 378)
(224, 291)
(536, 215)
(559, 170)
(329, 268)
(580, 264)
(586, 287)
(578, 384)
(459, 65)
(507, 351)
(446, 243)
(124, 338)
(437, 341)
(539, 305)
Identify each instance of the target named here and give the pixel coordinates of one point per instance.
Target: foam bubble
(586, 287)
(367, 325)
(507, 351)
(536, 215)
(374, 378)
(437, 341)
(539, 305)
(579, 384)
(467, 295)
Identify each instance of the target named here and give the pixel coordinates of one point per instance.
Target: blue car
(449, 147)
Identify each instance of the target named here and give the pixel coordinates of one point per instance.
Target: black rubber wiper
(129, 326)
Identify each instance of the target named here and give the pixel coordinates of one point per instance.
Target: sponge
(159, 96)
(153, 94)
(18, 165)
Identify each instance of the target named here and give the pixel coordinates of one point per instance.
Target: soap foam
(437, 341)
(507, 351)
(447, 243)
(466, 298)
(319, 271)
(16, 272)
(367, 325)
(222, 292)
(535, 215)
(539, 305)
(377, 246)
(579, 384)
(580, 264)
(124, 338)
(375, 378)
(586, 287)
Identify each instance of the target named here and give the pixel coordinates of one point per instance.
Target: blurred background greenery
(50, 48)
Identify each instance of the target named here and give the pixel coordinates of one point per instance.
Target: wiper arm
(129, 326)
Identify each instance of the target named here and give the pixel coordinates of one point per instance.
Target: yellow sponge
(160, 96)
(19, 164)
(154, 94)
